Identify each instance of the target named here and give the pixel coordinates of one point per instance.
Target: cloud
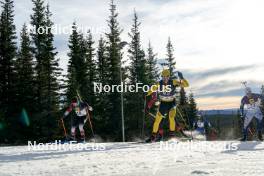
(218, 71)
(224, 93)
(217, 43)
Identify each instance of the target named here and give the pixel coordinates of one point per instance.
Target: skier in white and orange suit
(81, 110)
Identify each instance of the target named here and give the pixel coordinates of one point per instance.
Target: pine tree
(91, 68)
(38, 41)
(25, 88)
(113, 45)
(136, 54)
(138, 74)
(183, 104)
(25, 72)
(102, 62)
(114, 55)
(183, 97)
(7, 55)
(170, 58)
(77, 67)
(47, 70)
(192, 110)
(7, 67)
(51, 66)
(102, 105)
(152, 69)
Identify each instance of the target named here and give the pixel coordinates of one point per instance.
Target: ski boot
(172, 134)
(160, 135)
(82, 139)
(244, 138)
(154, 138)
(73, 137)
(244, 135)
(260, 136)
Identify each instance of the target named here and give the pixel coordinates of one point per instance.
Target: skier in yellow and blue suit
(166, 93)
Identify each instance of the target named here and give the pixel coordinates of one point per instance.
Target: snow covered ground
(135, 159)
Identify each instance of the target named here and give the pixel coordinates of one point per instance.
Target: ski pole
(181, 115)
(64, 129)
(144, 116)
(78, 95)
(152, 115)
(148, 113)
(250, 131)
(178, 110)
(90, 122)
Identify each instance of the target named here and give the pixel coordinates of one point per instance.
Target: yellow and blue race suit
(167, 101)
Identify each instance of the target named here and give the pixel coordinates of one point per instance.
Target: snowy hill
(134, 159)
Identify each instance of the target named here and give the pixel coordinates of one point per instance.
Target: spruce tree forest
(34, 92)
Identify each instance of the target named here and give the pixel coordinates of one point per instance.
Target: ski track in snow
(132, 159)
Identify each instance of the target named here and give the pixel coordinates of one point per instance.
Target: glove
(242, 116)
(90, 108)
(258, 103)
(180, 75)
(157, 103)
(65, 115)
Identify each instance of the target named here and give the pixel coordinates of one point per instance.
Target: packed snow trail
(134, 159)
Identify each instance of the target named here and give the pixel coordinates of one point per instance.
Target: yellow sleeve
(154, 88)
(182, 83)
(175, 82)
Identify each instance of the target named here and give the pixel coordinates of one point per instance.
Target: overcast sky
(218, 43)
